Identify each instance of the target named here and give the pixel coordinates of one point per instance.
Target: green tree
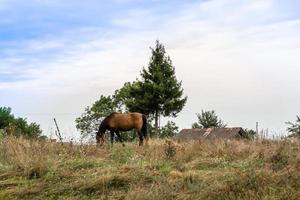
(20, 127)
(9, 125)
(34, 130)
(208, 119)
(90, 120)
(294, 128)
(130, 98)
(249, 134)
(196, 125)
(169, 130)
(6, 117)
(158, 92)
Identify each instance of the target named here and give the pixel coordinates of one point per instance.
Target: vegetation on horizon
(294, 128)
(208, 119)
(10, 125)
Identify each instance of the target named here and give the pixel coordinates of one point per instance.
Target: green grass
(162, 170)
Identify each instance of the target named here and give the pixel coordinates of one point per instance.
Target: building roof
(210, 133)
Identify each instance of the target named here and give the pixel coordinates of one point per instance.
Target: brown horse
(116, 122)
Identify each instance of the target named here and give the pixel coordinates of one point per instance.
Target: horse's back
(126, 121)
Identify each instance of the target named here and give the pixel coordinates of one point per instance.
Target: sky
(239, 58)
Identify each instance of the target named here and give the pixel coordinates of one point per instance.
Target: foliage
(169, 130)
(6, 117)
(17, 126)
(128, 136)
(208, 119)
(196, 125)
(169, 149)
(160, 80)
(294, 128)
(158, 92)
(128, 99)
(249, 134)
(21, 127)
(90, 120)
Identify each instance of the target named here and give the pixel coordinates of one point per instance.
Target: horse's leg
(141, 138)
(144, 129)
(119, 137)
(112, 137)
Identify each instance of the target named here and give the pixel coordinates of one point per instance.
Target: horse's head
(100, 138)
(100, 133)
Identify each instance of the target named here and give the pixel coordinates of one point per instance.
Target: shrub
(294, 128)
(17, 126)
(169, 130)
(249, 134)
(208, 119)
(169, 149)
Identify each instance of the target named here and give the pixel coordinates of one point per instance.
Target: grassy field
(162, 170)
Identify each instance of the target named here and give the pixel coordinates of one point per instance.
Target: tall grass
(261, 169)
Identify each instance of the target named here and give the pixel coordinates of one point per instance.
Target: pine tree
(159, 90)
(208, 119)
(294, 128)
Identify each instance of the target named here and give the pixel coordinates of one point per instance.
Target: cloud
(238, 57)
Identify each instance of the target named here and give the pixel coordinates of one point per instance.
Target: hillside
(162, 170)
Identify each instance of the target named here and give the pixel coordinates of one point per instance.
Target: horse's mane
(104, 122)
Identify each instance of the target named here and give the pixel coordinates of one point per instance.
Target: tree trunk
(156, 124)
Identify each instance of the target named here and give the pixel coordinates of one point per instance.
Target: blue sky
(50, 26)
(240, 58)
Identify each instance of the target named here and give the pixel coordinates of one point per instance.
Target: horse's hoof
(123, 145)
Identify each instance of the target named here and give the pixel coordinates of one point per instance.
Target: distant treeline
(17, 126)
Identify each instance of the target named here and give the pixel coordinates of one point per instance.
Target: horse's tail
(144, 127)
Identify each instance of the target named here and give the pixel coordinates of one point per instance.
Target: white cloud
(232, 56)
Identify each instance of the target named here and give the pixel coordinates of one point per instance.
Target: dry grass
(163, 170)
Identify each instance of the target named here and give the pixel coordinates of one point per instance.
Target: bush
(169, 149)
(208, 119)
(249, 134)
(294, 128)
(169, 130)
(9, 125)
